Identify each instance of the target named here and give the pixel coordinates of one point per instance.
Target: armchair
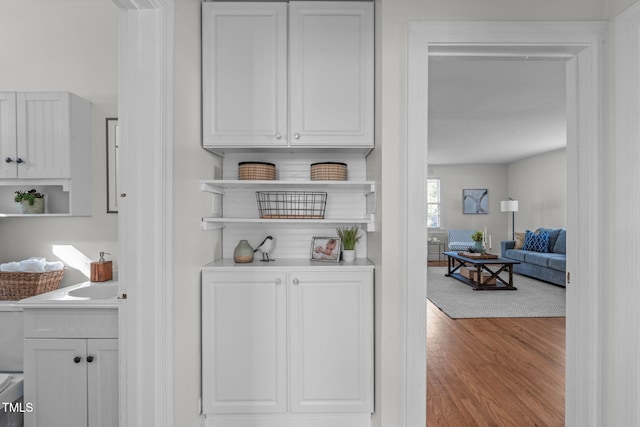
(460, 240)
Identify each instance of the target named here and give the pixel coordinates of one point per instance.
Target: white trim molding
(583, 45)
(145, 233)
(623, 374)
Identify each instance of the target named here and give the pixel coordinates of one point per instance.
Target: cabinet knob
(296, 282)
(278, 136)
(296, 136)
(89, 359)
(19, 160)
(278, 281)
(8, 160)
(77, 359)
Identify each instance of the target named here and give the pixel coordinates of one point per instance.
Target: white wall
(63, 45)
(193, 247)
(455, 178)
(540, 185)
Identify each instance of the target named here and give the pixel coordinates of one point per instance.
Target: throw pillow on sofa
(519, 240)
(536, 242)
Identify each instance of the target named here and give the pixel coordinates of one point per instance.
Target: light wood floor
(494, 372)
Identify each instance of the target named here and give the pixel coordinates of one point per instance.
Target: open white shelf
(219, 185)
(242, 193)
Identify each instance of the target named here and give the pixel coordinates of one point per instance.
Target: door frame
(145, 218)
(587, 218)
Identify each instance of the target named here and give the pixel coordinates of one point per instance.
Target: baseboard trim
(287, 420)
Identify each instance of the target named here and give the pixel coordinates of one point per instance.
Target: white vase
(36, 208)
(348, 255)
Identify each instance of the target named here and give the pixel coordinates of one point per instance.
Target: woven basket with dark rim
(17, 285)
(329, 171)
(257, 171)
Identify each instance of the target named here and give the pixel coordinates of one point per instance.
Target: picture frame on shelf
(326, 249)
(475, 201)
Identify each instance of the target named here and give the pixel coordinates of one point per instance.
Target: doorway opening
(582, 45)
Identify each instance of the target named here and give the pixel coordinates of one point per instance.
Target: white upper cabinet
(40, 133)
(244, 60)
(278, 75)
(331, 74)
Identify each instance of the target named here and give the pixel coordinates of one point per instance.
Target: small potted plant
(478, 238)
(349, 237)
(31, 202)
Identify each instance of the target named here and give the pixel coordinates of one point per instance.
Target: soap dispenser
(101, 271)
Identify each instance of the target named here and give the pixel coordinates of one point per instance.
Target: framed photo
(475, 201)
(112, 164)
(325, 249)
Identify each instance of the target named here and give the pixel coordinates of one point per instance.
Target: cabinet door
(244, 342)
(8, 165)
(331, 73)
(331, 341)
(102, 371)
(55, 382)
(244, 74)
(43, 134)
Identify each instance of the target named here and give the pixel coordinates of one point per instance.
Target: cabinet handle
(77, 359)
(89, 359)
(278, 281)
(278, 136)
(296, 136)
(19, 160)
(296, 282)
(8, 160)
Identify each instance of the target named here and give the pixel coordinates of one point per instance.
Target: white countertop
(288, 264)
(60, 298)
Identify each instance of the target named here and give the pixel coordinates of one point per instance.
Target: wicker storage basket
(16, 285)
(329, 171)
(257, 171)
(291, 204)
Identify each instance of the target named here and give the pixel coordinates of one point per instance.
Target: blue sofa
(548, 266)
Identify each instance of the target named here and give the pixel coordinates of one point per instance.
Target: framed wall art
(475, 201)
(112, 164)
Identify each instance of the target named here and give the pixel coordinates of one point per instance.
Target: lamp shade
(509, 206)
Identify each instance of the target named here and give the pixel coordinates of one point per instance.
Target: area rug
(459, 301)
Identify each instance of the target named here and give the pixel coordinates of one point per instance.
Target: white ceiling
(495, 110)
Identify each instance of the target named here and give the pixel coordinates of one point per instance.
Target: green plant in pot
(478, 237)
(31, 202)
(349, 237)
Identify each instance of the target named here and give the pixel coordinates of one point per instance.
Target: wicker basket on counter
(17, 285)
(256, 171)
(329, 171)
(291, 204)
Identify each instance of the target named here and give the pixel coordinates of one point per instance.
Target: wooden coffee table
(488, 263)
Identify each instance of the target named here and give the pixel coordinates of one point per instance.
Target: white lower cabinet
(282, 345)
(71, 380)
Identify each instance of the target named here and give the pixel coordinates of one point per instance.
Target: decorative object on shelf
(478, 238)
(510, 206)
(325, 249)
(101, 270)
(243, 253)
(329, 171)
(112, 164)
(291, 204)
(257, 171)
(350, 238)
(475, 201)
(265, 247)
(31, 202)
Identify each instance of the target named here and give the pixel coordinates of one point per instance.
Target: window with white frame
(433, 203)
